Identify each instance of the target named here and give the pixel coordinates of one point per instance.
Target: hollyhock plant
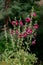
(21, 38)
(28, 20)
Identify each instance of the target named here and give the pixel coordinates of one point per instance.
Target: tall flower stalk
(11, 38)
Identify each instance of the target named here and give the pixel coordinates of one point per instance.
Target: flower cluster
(27, 30)
(20, 38)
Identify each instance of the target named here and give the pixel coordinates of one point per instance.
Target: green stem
(13, 45)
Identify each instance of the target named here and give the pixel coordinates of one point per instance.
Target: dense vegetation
(12, 10)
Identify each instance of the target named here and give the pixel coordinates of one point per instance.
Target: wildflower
(35, 26)
(28, 20)
(21, 23)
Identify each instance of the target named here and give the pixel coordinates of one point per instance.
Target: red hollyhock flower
(13, 22)
(16, 23)
(25, 34)
(16, 32)
(29, 31)
(28, 20)
(35, 26)
(21, 23)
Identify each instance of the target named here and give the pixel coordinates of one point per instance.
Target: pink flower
(16, 31)
(28, 20)
(12, 32)
(34, 14)
(33, 42)
(25, 34)
(13, 22)
(21, 23)
(35, 26)
(16, 23)
(29, 31)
